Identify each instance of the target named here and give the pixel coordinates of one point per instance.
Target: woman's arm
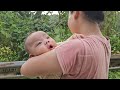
(44, 64)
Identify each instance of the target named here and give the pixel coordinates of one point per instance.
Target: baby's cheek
(41, 50)
(53, 43)
(45, 49)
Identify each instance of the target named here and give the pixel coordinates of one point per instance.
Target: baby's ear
(31, 56)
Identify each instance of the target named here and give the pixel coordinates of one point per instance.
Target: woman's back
(86, 58)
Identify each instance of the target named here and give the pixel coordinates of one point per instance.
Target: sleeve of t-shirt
(68, 53)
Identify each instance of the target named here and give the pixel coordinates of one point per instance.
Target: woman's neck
(88, 29)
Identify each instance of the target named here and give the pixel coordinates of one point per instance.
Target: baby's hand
(76, 36)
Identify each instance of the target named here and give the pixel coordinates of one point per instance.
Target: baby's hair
(25, 46)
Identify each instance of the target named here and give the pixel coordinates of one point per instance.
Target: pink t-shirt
(86, 58)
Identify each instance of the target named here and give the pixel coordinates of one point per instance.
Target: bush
(114, 74)
(6, 54)
(115, 44)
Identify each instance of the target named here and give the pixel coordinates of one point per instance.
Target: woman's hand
(76, 36)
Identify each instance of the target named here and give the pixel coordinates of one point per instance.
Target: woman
(86, 58)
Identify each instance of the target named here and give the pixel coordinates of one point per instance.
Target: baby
(40, 42)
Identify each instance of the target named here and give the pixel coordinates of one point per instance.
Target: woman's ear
(76, 14)
(31, 55)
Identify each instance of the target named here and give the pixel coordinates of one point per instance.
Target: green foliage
(13, 32)
(110, 23)
(115, 42)
(111, 28)
(6, 54)
(60, 34)
(114, 74)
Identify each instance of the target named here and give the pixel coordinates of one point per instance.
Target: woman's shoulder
(102, 39)
(72, 45)
(73, 42)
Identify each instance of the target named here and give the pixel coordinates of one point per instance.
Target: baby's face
(39, 42)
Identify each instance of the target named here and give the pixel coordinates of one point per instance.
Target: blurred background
(15, 25)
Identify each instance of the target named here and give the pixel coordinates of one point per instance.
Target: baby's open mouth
(51, 47)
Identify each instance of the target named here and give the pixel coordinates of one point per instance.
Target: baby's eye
(39, 43)
(48, 37)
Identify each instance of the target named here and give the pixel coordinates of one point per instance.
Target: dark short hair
(94, 16)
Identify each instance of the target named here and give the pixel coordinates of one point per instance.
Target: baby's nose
(46, 42)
